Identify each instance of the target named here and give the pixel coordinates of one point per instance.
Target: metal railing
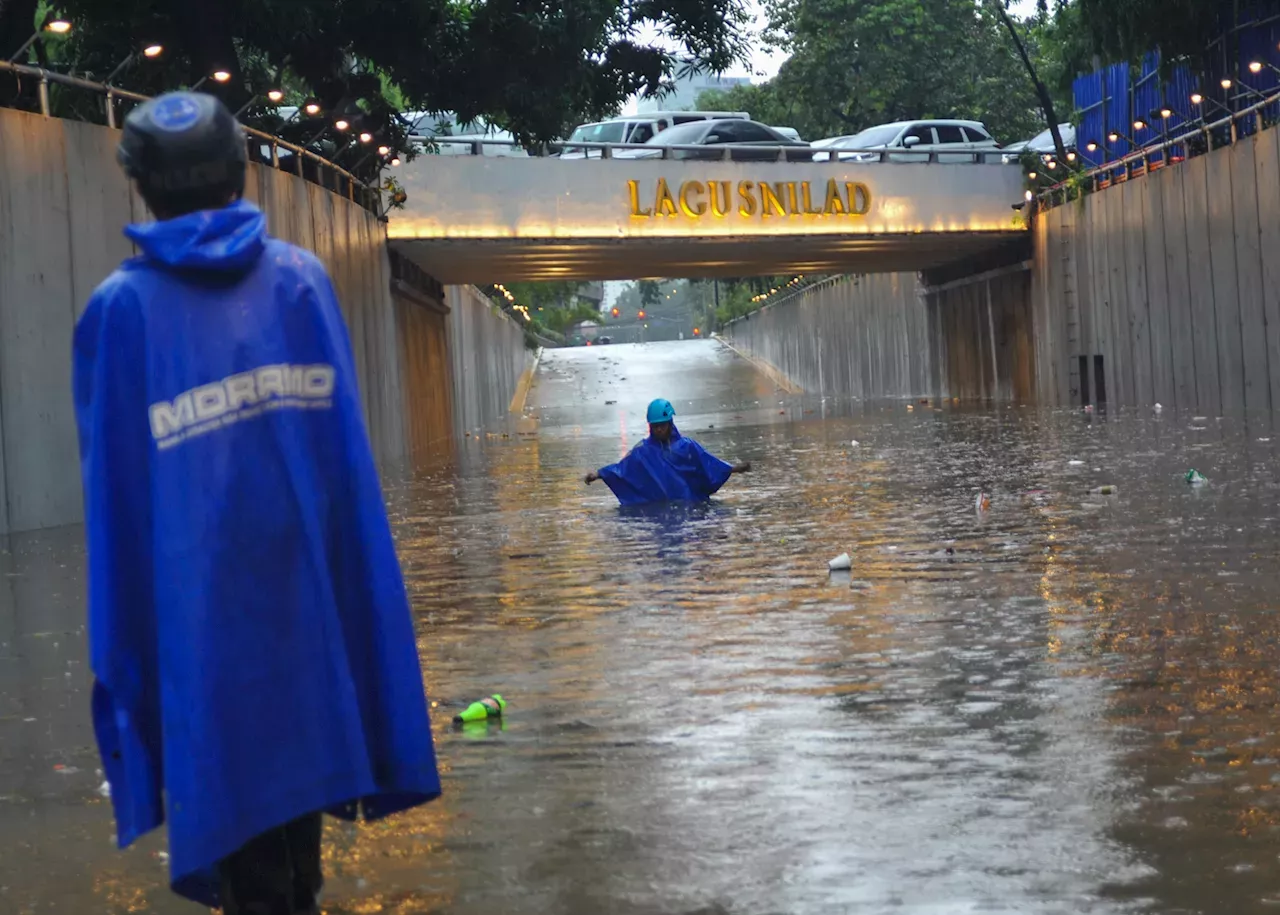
(725, 152)
(1093, 178)
(370, 195)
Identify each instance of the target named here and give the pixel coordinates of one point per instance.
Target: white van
(637, 128)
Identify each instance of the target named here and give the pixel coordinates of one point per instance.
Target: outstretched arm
(591, 478)
(743, 467)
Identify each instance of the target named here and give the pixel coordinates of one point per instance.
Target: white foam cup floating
(842, 563)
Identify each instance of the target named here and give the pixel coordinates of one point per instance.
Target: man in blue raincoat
(250, 637)
(666, 466)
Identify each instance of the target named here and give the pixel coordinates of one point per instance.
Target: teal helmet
(661, 411)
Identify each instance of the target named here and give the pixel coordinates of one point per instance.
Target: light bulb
(153, 50)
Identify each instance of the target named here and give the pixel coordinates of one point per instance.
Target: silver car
(915, 141)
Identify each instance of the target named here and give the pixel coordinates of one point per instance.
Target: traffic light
(641, 315)
(696, 332)
(616, 312)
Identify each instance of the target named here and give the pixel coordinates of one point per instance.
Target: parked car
(1042, 143)
(790, 133)
(741, 134)
(636, 129)
(604, 340)
(952, 141)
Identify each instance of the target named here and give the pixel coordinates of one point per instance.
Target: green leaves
(857, 63)
(532, 66)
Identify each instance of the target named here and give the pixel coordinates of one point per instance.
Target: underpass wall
(1166, 288)
(488, 357)
(63, 203)
(860, 336)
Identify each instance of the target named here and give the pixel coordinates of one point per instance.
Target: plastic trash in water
(1104, 490)
(104, 790)
(982, 503)
(488, 707)
(842, 563)
(1075, 463)
(1157, 409)
(1088, 408)
(1196, 478)
(855, 443)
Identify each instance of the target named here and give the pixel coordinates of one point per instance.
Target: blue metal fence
(1122, 108)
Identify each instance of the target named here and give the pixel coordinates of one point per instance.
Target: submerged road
(1065, 704)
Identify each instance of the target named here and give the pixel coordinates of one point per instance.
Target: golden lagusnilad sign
(717, 199)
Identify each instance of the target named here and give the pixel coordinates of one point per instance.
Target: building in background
(591, 294)
(687, 90)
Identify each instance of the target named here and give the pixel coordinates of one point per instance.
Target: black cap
(184, 146)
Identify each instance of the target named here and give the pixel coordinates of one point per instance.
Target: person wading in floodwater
(666, 466)
(254, 657)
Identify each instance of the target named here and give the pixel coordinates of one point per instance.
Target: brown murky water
(1067, 704)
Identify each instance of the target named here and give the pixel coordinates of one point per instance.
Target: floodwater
(1065, 704)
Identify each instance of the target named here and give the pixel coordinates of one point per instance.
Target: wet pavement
(1065, 704)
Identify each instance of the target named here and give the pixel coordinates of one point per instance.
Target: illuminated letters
(769, 198)
(636, 213)
(834, 205)
(693, 211)
(720, 207)
(859, 198)
(693, 201)
(665, 205)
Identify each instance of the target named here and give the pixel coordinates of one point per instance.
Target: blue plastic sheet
(249, 631)
(678, 471)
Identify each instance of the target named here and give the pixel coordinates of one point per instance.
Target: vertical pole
(111, 110)
(991, 332)
(44, 95)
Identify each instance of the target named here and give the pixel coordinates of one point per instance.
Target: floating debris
(841, 563)
(1196, 478)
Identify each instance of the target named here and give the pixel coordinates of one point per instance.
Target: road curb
(768, 369)
(521, 395)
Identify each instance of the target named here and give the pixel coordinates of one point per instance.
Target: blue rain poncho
(249, 631)
(679, 471)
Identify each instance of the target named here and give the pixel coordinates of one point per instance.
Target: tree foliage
(858, 63)
(529, 66)
(1124, 30)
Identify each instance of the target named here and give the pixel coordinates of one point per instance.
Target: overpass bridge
(477, 219)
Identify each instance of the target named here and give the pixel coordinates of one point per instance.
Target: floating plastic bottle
(1105, 490)
(982, 503)
(1196, 478)
(488, 707)
(841, 563)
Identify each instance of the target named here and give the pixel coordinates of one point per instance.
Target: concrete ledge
(770, 371)
(523, 386)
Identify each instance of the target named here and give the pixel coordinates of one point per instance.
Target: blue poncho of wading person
(253, 651)
(666, 466)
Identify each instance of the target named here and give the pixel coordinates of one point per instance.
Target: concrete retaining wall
(865, 336)
(983, 337)
(1172, 282)
(488, 356)
(63, 203)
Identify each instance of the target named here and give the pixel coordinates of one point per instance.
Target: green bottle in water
(488, 707)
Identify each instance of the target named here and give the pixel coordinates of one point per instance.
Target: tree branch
(1046, 100)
